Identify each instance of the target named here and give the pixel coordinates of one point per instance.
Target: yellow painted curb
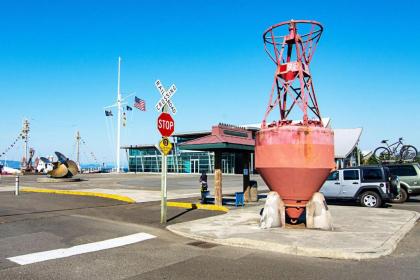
(81, 193)
(188, 205)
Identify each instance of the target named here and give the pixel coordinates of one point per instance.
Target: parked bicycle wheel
(382, 153)
(408, 152)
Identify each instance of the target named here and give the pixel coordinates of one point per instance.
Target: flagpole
(119, 116)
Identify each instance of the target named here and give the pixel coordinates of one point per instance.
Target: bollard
(218, 197)
(17, 185)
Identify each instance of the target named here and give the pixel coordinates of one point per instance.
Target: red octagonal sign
(165, 124)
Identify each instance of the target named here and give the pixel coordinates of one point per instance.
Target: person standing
(203, 182)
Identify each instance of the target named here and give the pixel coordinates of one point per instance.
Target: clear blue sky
(58, 66)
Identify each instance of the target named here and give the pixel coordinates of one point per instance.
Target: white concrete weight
(318, 215)
(274, 214)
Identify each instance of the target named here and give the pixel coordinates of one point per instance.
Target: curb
(392, 242)
(385, 249)
(188, 205)
(80, 193)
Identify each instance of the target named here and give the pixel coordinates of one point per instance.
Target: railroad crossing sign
(166, 97)
(165, 145)
(165, 124)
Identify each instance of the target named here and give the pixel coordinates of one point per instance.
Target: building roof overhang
(216, 147)
(134, 147)
(345, 141)
(224, 138)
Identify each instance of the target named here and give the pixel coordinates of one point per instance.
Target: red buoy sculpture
(294, 157)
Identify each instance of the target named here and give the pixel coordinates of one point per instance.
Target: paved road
(39, 222)
(147, 182)
(139, 187)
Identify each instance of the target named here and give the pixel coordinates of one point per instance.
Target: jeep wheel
(370, 199)
(401, 197)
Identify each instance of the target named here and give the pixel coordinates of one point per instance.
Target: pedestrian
(203, 177)
(203, 182)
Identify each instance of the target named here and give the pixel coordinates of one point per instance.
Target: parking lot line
(81, 193)
(81, 249)
(189, 205)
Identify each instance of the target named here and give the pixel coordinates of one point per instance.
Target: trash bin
(239, 199)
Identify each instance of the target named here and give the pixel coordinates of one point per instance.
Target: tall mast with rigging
(25, 138)
(119, 104)
(118, 117)
(78, 148)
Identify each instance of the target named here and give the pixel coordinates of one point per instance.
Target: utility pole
(119, 116)
(78, 148)
(25, 138)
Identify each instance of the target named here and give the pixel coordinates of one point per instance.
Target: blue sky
(59, 66)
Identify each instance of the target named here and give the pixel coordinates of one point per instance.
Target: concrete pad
(359, 233)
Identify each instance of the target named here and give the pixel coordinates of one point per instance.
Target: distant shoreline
(16, 164)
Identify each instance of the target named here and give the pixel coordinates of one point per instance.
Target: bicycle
(393, 151)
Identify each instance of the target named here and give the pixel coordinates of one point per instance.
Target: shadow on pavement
(180, 214)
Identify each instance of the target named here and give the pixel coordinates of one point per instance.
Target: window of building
(351, 174)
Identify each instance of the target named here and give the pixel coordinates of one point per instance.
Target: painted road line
(188, 205)
(81, 193)
(81, 249)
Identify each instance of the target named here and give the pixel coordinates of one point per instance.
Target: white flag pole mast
(119, 116)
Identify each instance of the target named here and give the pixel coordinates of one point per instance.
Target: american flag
(139, 104)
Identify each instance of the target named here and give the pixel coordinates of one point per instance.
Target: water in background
(10, 163)
(16, 164)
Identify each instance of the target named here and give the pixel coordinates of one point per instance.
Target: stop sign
(165, 124)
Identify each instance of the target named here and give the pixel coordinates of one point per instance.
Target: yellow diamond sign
(165, 145)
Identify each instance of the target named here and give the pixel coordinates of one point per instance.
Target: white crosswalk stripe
(81, 249)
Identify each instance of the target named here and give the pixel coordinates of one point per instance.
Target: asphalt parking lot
(33, 223)
(147, 182)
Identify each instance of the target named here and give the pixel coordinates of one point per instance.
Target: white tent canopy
(345, 140)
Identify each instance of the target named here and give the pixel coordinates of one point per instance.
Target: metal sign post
(163, 208)
(165, 146)
(165, 127)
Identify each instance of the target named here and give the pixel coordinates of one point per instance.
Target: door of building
(225, 166)
(195, 165)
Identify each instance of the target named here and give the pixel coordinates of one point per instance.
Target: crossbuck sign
(166, 97)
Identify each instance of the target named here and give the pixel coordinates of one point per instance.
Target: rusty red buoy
(294, 157)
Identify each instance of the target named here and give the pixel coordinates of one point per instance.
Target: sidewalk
(359, 233)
